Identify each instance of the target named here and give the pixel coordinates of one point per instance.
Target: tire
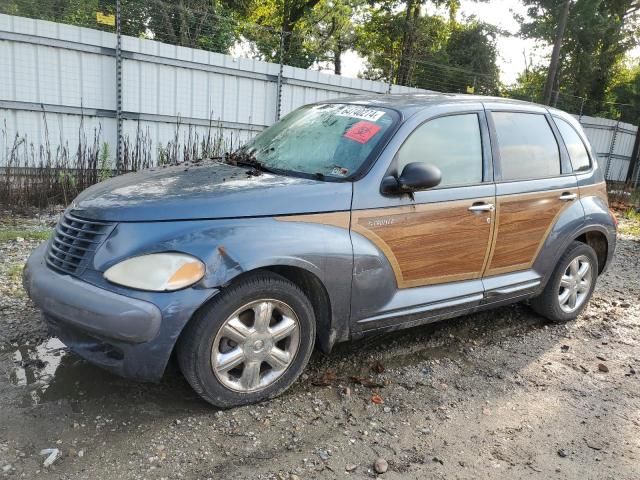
(237, 326)
(549, 303)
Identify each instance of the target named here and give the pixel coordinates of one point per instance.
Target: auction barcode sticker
(358, 111)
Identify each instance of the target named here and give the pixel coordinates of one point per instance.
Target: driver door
(431, 247)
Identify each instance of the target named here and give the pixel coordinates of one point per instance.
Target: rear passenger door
(535, 184)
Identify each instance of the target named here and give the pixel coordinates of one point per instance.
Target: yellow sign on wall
(106, 19)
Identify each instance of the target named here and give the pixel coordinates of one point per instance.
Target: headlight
(157, 272)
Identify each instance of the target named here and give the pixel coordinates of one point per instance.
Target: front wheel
(571, 285)
(250, 343)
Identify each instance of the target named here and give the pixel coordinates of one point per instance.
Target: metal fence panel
(613, 143)
(62, 77)
(68, 72)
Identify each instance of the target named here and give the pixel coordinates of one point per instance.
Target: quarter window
(527, 146)
(577, 151)
(450, 143)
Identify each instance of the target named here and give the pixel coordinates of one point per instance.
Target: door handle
(566, 196)
(482, 207)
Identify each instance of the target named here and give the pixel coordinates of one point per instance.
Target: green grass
(631, 223)
(13, 280)
(632, 229)
(15, 272)
(632, 214)
(12, 234)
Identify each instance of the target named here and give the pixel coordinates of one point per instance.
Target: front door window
(452, 143)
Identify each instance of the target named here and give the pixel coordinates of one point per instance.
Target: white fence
(65, 75)
(69, 73)
(613, 142)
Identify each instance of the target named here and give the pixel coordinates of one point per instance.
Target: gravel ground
(494, 395)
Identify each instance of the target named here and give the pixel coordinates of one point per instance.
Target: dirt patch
(500, 394)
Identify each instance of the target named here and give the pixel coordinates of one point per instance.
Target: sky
(500, 13)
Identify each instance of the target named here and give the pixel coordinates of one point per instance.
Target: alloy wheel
(255, 345)
(575, 284)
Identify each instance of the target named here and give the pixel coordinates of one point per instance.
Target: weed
(105, 165)
(632, 214)
(630, 224)
(42, 176)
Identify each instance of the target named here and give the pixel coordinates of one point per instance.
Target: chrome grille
(74, 241)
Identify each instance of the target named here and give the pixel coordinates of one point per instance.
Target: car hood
(211, 191)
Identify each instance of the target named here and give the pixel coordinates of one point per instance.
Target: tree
(472, 47)
(203, 24)
(336, 33)
(380, 39)
(446, 55)
(289, 18)
(555, 55)
(626, 92)
(598, 35)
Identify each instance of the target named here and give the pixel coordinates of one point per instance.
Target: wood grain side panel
(523, 222)
(431, 243)
(336, 219)
(596, 190)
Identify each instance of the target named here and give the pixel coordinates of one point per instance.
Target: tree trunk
(555, 54)
(337, 57)
(408, 40)
(293, 12)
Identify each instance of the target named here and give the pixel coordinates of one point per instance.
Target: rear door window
(528, 149)
(578, 154)
(452, 143)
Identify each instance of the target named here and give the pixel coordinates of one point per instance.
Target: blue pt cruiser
(347, 217)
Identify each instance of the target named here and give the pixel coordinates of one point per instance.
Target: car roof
(410, 103)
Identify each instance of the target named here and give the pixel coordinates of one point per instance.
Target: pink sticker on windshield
(362, 131)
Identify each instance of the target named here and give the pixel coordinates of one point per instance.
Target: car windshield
(326, 140)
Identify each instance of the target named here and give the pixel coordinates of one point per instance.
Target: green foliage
(445, 56)
(314, 30)
(631, 223)
(82, 12)
(204, 24)
(632, 214)
(626, 91)
(529, 85)
(598, 35)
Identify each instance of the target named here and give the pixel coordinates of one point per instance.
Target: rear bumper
(131, 337)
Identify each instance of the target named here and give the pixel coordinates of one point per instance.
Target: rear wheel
(250, 343)
(571, 285)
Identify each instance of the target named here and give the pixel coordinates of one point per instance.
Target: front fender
(232, 247)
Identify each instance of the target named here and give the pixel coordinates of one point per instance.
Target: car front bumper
(129, 336)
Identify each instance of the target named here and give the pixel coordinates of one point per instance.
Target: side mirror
(415, 177)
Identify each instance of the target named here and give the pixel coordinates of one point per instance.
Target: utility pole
(119, 164)
(555, 55)
(280, 71)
